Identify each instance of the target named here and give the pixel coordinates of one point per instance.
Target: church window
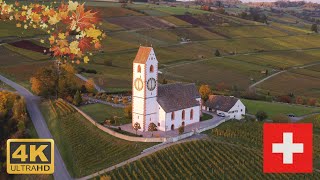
(191, 114)
(139, 69)
(158, 124)
(172, 116)
(151, 68)
(183, 115)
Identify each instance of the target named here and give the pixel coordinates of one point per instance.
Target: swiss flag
(287, 148)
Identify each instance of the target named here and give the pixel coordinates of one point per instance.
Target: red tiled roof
(142, 55)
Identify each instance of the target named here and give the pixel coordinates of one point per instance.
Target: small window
(183, 115)
(158, 124)
(151, 68)
(191, 114)
(241, 110)
(139, 69)
(172, 116)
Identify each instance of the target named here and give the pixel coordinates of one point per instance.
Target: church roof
(142, 55)
(222, 103)
(173, 97)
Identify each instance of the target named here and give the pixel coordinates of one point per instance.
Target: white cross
(287, 148)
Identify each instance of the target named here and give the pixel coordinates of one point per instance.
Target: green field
(102, 112)
(276, 108)
(232, 150)
(84, 148)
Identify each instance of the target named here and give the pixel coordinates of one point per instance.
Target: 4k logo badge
(287, 148)
(30, 156)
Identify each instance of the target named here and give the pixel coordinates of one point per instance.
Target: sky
(318, 1)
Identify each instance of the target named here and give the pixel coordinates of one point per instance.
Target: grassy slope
(84, 148)
(277, 108)
(233, 150)
(101, 112)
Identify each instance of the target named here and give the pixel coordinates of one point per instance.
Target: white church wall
(162, 119)
(177, 122)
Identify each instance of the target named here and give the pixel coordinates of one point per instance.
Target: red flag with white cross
(287, 148)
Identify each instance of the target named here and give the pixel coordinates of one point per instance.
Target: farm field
(102, 112)
(215, 71)
(288, 82)
(277, 108)
(216, 158)
(85, 149)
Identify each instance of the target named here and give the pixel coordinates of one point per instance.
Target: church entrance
(172, 127)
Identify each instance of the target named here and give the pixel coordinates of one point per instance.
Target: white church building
(168, 106)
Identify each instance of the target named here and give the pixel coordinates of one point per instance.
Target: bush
(109, 98)
(261, 115)
(125, 100)
(128, 111)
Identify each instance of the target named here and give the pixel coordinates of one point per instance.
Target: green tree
(77, 100)
(181, 129)
(136, 127)
(152, 127)
(261, 115)
(314, 28)
(217, 53)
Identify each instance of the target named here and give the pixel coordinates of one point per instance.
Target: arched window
(139, 69)
(151, 68)
(183, 115)
(172, 116)
(191, 114)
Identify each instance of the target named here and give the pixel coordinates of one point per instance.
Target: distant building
(168, 106)
(228, 105)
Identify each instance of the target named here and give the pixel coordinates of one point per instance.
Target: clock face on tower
(138, 84)
(151, 84)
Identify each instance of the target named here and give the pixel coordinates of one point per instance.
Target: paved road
(99, 89)
(61, 172)
(275, 74)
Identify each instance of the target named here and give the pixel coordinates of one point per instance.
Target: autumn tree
(312, 102)
(125, 100)
(128, 111)
(116, 100)
(109, 98)
(136, 127)
(204, 91)
(299, 100)
(90, 85)
(152, 127)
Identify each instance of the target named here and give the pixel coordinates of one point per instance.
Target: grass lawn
(101, 112)
(276, 108)
(84, 148)
(205, 117)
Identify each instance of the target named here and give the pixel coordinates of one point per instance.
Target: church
(168, 106)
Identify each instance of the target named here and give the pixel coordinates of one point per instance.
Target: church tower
(145, 88)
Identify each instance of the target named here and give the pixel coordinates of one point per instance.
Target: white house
(167, 106)
(228, 105)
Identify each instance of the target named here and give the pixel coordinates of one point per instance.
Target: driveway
(61, 172)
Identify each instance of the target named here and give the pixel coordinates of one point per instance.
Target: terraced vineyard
(238, 155)
(84, 148)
